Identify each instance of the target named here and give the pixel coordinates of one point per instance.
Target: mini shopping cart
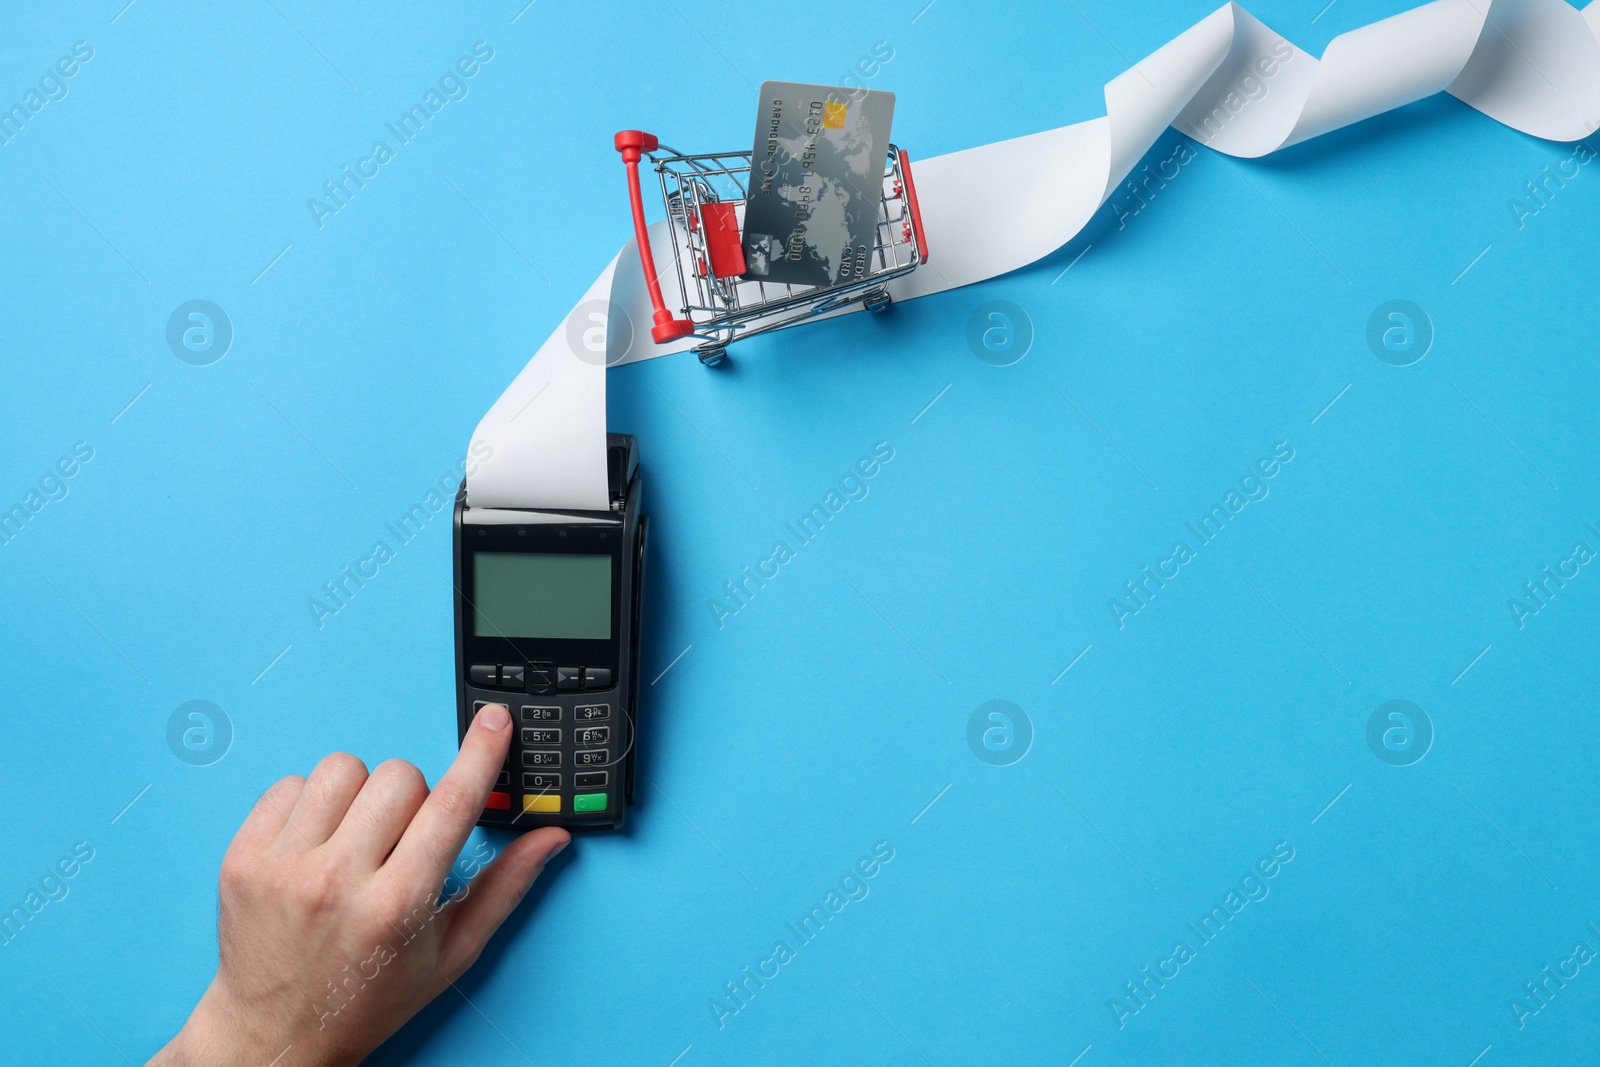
(704, 197)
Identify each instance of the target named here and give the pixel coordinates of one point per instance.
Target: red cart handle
(632, 144)
(911, 199)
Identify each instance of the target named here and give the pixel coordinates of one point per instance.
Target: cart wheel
(878, 304)
(711, 357)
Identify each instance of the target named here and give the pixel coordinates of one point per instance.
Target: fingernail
(557, 850)
(494, 717)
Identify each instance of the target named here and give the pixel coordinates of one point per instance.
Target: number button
(592, 735)
(591, 712)
(532, 736)
(594, 757)
(541, 759)
(531, 713)
(541, 782)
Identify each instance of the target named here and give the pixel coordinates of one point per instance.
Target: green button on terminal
(589, 802)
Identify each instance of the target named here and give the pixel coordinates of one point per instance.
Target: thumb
(495, 892)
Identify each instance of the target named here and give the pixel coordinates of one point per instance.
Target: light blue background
(826, 715)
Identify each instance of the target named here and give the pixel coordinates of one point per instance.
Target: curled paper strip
(1229, 82)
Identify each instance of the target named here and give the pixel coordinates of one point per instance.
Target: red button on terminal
(498, 802)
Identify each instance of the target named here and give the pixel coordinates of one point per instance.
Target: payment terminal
(547, 615)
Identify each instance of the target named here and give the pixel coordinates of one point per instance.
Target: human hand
(332, 929)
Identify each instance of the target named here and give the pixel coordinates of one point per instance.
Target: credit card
(816, 183)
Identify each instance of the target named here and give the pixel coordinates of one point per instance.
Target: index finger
(432, 842)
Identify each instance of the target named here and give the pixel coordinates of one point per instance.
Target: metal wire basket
(705, 197)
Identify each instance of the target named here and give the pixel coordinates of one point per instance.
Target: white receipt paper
(1533, 65)
(546, 435)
